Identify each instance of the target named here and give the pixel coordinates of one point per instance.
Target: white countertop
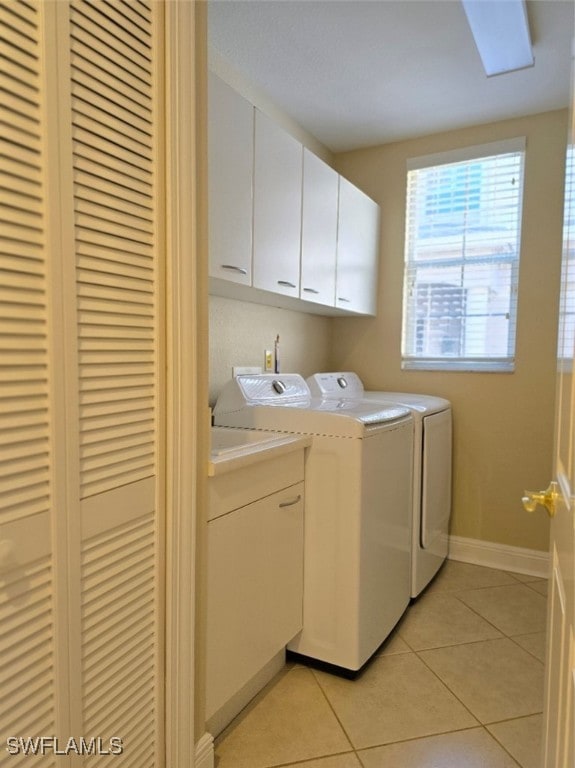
(234, 448)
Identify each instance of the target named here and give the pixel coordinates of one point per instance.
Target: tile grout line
(356, 751)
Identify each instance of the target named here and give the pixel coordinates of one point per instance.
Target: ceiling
(358, 73)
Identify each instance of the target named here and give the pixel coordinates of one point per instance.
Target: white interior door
(559, 718)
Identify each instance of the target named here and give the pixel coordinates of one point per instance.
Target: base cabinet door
(255, 587)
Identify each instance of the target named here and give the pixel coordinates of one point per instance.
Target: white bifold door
(81, 383)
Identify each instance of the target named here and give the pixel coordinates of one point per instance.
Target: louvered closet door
(115, 56)
(31, 682)
(81, 475)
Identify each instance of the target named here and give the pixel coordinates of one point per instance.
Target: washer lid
(422, 404)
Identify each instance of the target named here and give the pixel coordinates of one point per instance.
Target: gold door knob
(547, 499)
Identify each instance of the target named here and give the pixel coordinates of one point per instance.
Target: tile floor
(459, 684)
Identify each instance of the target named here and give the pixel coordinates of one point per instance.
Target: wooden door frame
(187, 413)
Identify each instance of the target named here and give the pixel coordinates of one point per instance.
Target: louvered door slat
(124, 474)
(23, 339)
(133, 302)
(24, 283)
(128, 116)
(132, 215)
(12, 167)
(18, 131)
(119, 335)
(121, 644)
(19, 17)
(112, 399)
(140, 579)
(22, 210)
(93, 186)
(135, 99)
(122, 218)
(102, 716)
(136, 15)
(24, 58)
(25, 155)
(19, 234)
(17, 128)
(18, 466)
(104, 25)
(103, 63)
(137, 26)
(117, 53)
(96, 388)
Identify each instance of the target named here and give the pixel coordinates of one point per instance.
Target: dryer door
(436, 482)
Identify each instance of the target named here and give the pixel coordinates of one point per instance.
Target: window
(462, 244)
(566, 336)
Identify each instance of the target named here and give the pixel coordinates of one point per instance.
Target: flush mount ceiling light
(501, 32)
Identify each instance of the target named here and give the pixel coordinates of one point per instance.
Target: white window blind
(463, 226)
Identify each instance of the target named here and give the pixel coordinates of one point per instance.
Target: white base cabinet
(255, 573)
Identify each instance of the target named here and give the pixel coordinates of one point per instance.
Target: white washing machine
(431, 470)
(358, 485)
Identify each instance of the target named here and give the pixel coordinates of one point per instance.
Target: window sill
(461, 366)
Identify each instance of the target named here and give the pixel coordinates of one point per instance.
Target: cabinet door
(357, 250)
(277, 208)
(255, 588)
(319, 230)
(230, 182)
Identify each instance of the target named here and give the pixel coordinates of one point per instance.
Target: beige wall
(240, 333)
(503, 423)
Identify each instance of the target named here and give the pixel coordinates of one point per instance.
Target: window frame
(496, 363)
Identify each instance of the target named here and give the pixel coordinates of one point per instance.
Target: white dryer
(431, 470)
(358, 485)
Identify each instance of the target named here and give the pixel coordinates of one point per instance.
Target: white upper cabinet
(284, 228)
(230, 182)
(277, 208)
(319, 230)
(357, 250)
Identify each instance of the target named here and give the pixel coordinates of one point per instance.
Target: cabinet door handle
(286, 283)
(234, 268)
(310, 290)
(342, 298)
(290, 503)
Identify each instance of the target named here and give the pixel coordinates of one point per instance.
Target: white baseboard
(531, 562)
(205, 757)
